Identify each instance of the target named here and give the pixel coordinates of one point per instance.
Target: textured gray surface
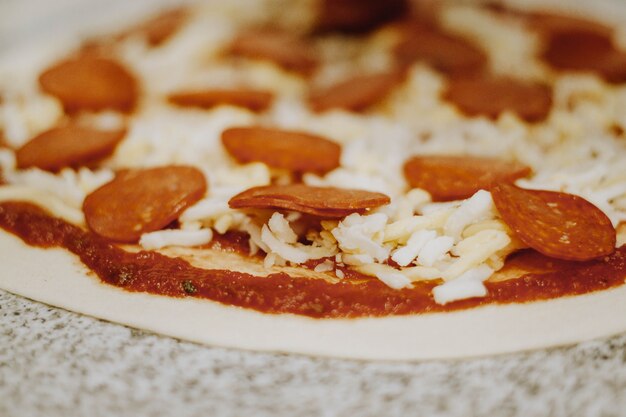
(57, 363)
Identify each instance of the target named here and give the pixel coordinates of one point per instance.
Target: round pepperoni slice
(89, 82)
(357, 15)
(294, 151)
(326, 202)
(282, 48)
(559, 225)
(480, 96)
(142, 201)
(355, 94)
(444, 52)
(579, 51)
(68, 146)
(254, 100)
(449, 178)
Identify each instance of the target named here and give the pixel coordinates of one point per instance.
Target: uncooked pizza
(360, 179)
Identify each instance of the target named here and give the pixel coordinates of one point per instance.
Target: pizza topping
(142, 201)
(282, 48)
(457, 244)
(357, 93)
(559, 225)
(160, 28)
(90, 83)
(552, 24)
(68, 146)
(255, 100)
(357, 15)
(492, 96)
(163, 238)
(447, 53)
(458, 177)
(318, 201)
(152, 272)
(579, 51)
(468, 285)
(291, 150)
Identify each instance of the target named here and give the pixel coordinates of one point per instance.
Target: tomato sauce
(357, 296)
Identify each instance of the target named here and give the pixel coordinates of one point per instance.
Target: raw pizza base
(57, 278)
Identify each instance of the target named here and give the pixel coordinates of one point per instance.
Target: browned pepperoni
(357, 15)
(449, 178)
(326, 202)
(68, 146)
(90, 83)
(579, 51)
(155, 31)
(550, 23)
(282, 48)
(491, 96)
(292, 150)
(355, 94)
(160, 28)
(142, 201)
(255, 100)
(559, 225)
(445, 52)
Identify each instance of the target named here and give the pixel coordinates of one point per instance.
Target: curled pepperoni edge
(279, 198)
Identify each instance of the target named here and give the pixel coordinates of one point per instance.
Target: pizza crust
(59, 279)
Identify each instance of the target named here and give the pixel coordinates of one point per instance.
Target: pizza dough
(55, 277)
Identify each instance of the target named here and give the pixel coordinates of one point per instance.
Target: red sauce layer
(280, 293)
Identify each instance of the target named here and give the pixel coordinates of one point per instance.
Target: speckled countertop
(57, 363)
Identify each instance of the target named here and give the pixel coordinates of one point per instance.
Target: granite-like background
(56, 363)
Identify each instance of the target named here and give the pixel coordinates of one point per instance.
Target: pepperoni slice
(295, 151)
(559, 225)
(254, 100)
(355, 94)
(549, 23)
(326, 202)
(142, 201)
(579, 51)
(491, 96)
(68, 146)
(160, 28)
(449, 178)
(90, 82)
(282, 48)
(357, 15)
(445, 52)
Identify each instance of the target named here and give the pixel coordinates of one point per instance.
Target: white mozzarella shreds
(23, 116)
(468, 285)
(477, 208)
(414, 246)
(163, 238)
(280, 239)
(68, 185)
(578, 149)
(363, 235)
